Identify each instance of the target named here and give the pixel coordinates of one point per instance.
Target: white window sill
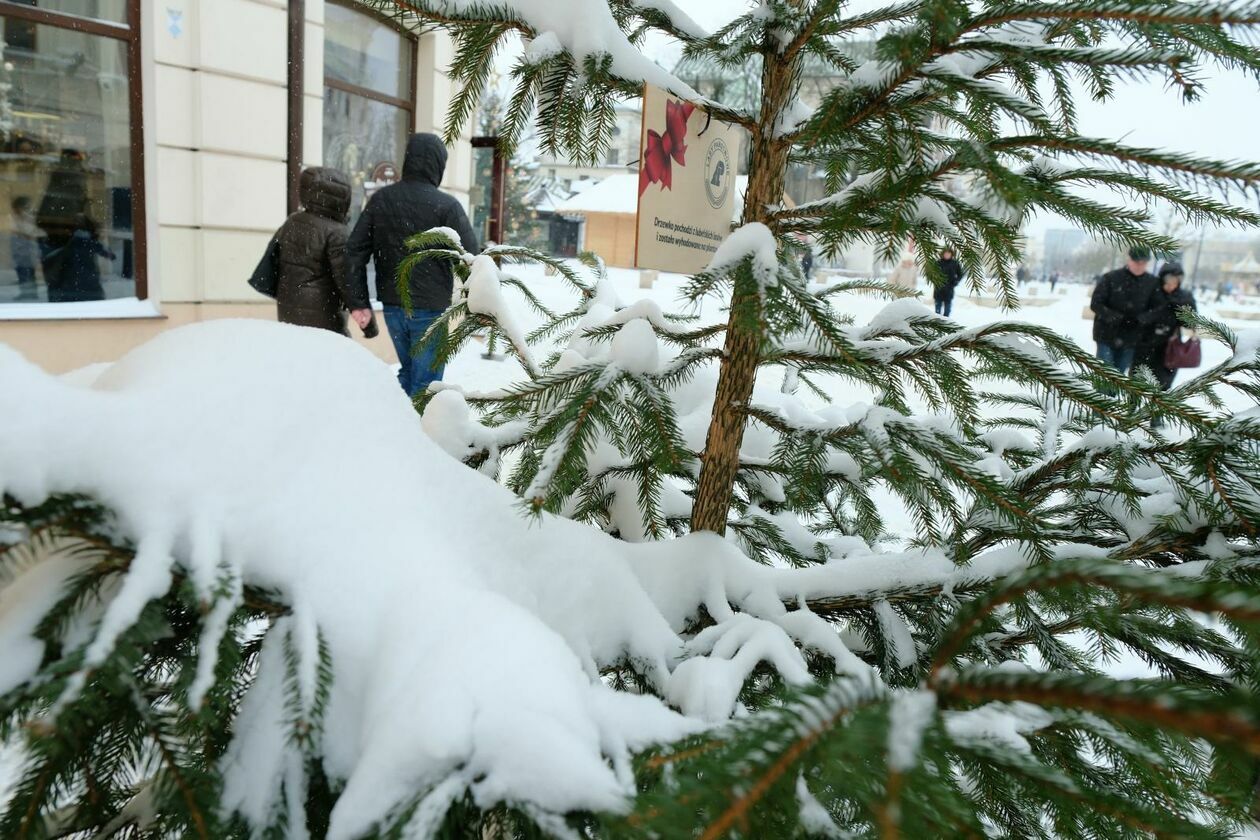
(118, 308)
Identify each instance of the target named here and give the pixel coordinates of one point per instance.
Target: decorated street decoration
(656, 166)
(687, 184)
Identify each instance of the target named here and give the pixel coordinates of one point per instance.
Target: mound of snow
(226, 445)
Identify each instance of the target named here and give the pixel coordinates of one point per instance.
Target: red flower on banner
(665, 149)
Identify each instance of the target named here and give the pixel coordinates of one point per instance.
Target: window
(71, 179)
(369, 99)
(113, 11)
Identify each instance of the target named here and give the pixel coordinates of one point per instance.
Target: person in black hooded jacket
(396, 212)
(952, 272)
(313, 288)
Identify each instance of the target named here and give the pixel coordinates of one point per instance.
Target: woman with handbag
(304, 267)
(1170, 345)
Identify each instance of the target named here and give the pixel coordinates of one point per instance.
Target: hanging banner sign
(687, 169)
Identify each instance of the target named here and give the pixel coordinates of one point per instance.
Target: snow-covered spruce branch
(418, 674)
(578, 61)
(889, 608)
(1213, 14)
(1222, 719)
(1200, 594)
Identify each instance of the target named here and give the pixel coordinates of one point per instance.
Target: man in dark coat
(1120, 303)
(314, 288)
(411, 206)
(952, 271)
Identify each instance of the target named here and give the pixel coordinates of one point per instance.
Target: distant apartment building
(1058, 246)
(621, 157)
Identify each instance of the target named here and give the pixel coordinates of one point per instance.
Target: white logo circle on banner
(717, 174)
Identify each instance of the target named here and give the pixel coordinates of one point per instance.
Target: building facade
(151, 148)
(621, 157)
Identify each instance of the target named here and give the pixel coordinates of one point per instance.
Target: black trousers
(1152, 357)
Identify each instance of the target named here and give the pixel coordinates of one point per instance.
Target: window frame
(408, 103)
(297, 54)
(129, 33)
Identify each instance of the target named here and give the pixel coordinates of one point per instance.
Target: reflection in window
(368, 91)
(361, 51)
(65, 164)
(481, 191)
(114, 11)
(364, 139)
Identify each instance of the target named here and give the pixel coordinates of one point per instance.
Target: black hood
(1171, 268)
(325, 192)
(425, 160)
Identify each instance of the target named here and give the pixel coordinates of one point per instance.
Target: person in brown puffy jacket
(314, 288)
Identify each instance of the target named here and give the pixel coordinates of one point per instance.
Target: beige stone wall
(61, 346)
(219, 139)
(220, 102)
(216, 117)
(434, 90)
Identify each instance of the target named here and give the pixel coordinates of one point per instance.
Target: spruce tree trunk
(767, 172)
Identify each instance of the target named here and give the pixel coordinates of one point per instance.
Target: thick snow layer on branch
(23, 604)
(1004, 723)
(449, 421)
(861, 184)
(874, 74)
(792, 118)
(589, 30)
(485, 297)
(466, 641)
(426, 633)
(545, 46)
(909, 717)
(635, 348)
(1247, 348)
(680, 19)
(815, 818)
(753, 240)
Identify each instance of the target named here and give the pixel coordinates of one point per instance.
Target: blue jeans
(943, 307)
(1120, 358)
(418, 364)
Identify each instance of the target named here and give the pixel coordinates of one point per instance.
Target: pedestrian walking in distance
(1120, 303)
(1163, 322)
(951, 271)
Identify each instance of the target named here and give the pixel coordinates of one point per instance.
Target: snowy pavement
(1066, 314)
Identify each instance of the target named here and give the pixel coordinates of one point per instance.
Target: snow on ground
(470, 593)
(1065, 313)
(474, 373)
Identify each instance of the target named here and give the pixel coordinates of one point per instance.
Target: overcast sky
(1223, 124)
